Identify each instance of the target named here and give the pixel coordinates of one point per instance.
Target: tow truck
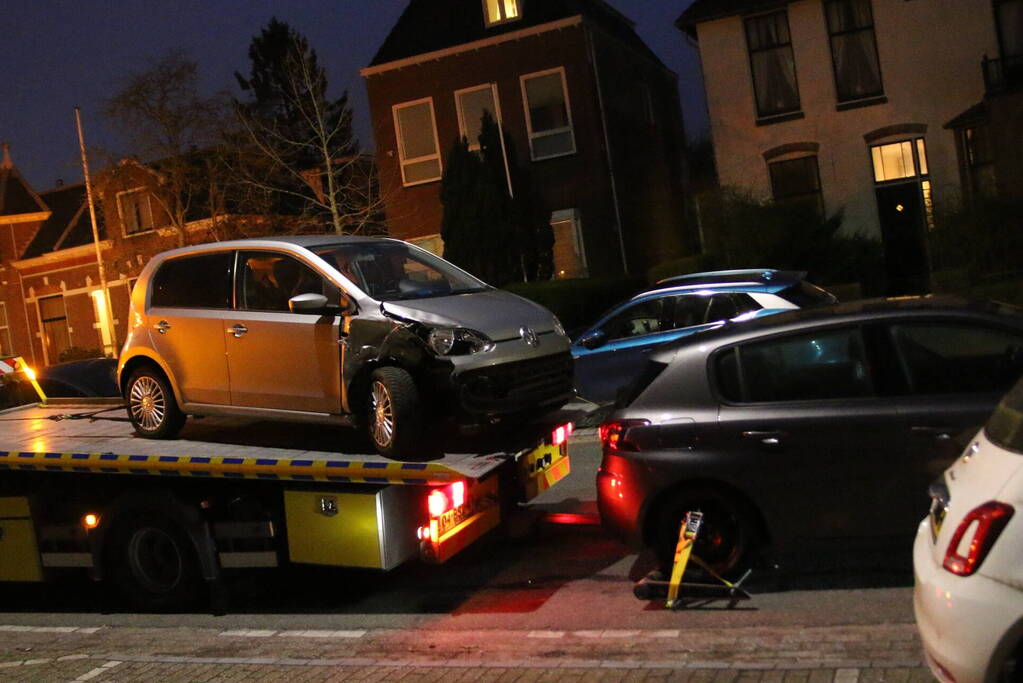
(163, 521)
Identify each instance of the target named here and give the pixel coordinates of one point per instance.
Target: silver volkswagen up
(360, 331)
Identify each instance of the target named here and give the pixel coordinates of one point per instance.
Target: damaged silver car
(368, 332)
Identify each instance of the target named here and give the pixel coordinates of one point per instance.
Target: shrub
(579, 302)
(984, 238)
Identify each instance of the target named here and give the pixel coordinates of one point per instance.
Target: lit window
(136, 211)
(500, 11)
(417, 142)
(548, 114)
(471, 103)
(853, 49)
(893, 162)
(772, 64)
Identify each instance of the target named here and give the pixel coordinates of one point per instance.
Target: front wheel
(725, 542)
(152, 409)
(394, 413)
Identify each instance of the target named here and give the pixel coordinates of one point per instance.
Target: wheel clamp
(679, 591)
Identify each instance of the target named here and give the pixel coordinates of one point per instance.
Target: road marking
(249, 633)
(98, 671)
(321, 634)
(545, 634)
(17, 628)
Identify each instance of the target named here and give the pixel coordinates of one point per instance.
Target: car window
(949, 358)
(688, 310)
(817, 365)
(1005, 427)
(721, 308)
(268, 279)
(200, 281)
(744, 303)
(645, 317)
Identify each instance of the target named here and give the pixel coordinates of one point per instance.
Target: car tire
(151, 405)
(393, 413)
(152, 564)
(725, 542)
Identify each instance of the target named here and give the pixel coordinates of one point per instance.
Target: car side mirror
(593, 340)
(307, 303)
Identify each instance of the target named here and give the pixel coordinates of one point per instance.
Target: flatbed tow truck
(162, 521)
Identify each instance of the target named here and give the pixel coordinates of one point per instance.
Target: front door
(278, 359)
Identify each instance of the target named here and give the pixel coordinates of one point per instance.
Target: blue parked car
(611, 352)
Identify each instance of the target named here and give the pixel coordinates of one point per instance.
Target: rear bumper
(963, 621)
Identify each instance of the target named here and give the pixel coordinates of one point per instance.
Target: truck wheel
(153, 564)
(151, 406)
(724, 543)
(393, 412)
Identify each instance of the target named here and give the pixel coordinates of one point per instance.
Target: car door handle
(238, 330)
(939, 433)
(769, 437)
(162, 326)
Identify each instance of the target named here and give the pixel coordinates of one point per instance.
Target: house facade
(845, 102)
(582, 101)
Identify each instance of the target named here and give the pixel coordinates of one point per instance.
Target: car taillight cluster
(561, 433)
(615, 435)
(975, 536)
(438, 502)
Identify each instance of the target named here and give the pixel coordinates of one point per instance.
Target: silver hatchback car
(347, 330)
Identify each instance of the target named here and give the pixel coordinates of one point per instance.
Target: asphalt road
(563, 593)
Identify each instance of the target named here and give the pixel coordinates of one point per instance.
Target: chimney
(6, 163)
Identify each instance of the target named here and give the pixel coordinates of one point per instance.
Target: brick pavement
(846, 654)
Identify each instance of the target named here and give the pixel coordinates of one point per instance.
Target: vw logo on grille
(529, 336)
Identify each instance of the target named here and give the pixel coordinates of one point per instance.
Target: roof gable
(16, 196)
(706, 10)
(68, 226)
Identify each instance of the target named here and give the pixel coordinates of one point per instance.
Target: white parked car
(968, 557)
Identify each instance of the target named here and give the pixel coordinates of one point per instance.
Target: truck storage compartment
(19, 554)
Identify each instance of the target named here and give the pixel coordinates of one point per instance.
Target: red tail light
(985, 523)
(561, 433)
(448, 498)
(615, 435)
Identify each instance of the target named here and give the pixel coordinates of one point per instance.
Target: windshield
(391, 271)
(1005, 427)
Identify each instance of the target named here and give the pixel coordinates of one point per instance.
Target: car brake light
(561, 433)
(984, 523)
(615, 435)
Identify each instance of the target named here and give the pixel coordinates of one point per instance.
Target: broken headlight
(457, 341)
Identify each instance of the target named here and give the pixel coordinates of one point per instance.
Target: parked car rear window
(949, 358)
(1005, 427)
(202, 281)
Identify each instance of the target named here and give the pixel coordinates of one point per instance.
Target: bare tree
(302, 142)
(173, 130)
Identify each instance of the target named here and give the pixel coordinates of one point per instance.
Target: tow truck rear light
(561, 433)
(448, 498)
(615, 434)
(975, 536)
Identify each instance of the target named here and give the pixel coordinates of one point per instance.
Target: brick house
(584, 102)
(844, 101)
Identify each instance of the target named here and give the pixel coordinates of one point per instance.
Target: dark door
(900, 208)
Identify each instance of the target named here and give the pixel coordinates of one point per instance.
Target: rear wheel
(152, 409)
(394, 412)
(725, 542)
(153, 564)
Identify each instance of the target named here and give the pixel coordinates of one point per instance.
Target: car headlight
(559, 329)
(456, 341)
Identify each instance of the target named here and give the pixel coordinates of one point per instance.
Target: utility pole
(103, 308)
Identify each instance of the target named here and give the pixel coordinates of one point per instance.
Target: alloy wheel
(147, 403)
(383, 414)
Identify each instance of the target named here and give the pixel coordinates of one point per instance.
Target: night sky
(61, 53)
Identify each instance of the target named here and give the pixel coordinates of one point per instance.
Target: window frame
(878, 97)
(121, 196)
(530, 133)
(502, 10)
(818, 194)
(6, 343)
(402, 161)
(474, 145)
(795, 112)
(151, 283)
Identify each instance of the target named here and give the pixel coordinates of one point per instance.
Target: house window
(418, 148)
(500, 11)
(979, 167)
(772, 64)
(569, 258)
(6, 348)
(853, 49)
(471, 103)
(796, 180)
(56, 333)
(548, 114)
(136, 211)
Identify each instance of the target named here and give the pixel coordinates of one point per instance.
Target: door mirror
(593, 340)
(307, 303)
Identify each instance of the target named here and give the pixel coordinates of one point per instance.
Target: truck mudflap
(463, 511)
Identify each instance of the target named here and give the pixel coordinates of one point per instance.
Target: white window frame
(557, 131)
(474, 145)
(120, 211)
(502, 10)
(6, 344)
(402, 161)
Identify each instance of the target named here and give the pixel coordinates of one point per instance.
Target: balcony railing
(1002, 74)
